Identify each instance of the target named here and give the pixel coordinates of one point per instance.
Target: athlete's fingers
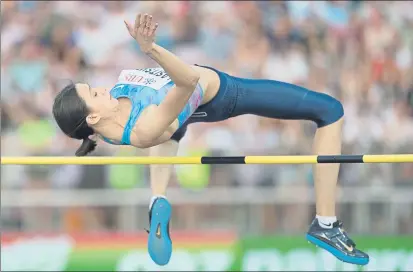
(147, 25)
(142, 27)
(129, 28)
(153, 30)
(137, 21)
(149, 21)
(144, 20)
(146, 31)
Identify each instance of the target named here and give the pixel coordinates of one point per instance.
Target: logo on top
(148, 81)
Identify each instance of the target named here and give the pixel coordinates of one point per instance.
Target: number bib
(154, 78)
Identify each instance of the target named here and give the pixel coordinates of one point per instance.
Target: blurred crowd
(360, 52)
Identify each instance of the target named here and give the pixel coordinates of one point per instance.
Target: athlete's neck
(112, 126)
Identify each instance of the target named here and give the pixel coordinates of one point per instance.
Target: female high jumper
(151, 108)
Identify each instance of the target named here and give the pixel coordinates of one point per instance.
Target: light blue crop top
(145, 87)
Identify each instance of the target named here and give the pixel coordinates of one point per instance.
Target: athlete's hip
(221, 106)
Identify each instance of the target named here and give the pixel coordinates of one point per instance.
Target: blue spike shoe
(159, 240)
(337, 242)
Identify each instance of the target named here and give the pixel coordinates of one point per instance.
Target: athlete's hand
(143, 31)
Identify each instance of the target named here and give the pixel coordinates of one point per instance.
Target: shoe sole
(337, 253)
(160, 246)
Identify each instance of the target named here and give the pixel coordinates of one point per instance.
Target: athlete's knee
(323, 109)
(330, 111)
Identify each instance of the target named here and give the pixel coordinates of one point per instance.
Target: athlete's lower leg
(160, 210)
(326, 231)
(161, 174)
(327, 141)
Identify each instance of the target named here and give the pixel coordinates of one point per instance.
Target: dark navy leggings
(267, 98)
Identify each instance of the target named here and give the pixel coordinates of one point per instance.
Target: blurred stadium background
(249, 217)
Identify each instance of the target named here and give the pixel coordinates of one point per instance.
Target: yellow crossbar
(391, 158)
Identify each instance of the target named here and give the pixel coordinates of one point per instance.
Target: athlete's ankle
(326, 221)
(154, 197)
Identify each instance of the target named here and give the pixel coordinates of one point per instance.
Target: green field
(201, 253)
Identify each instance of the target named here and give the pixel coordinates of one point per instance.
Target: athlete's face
(98, 101)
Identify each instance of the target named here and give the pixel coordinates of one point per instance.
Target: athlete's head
(78, 108)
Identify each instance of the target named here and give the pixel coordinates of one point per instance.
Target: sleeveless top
(144, 87)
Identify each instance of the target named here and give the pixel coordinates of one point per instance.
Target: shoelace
(343, 233)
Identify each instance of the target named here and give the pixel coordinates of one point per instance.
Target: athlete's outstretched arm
(183, 75)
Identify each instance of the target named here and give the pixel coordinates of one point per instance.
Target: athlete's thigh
(275, 99)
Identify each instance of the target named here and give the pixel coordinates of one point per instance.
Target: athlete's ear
(92, 118)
